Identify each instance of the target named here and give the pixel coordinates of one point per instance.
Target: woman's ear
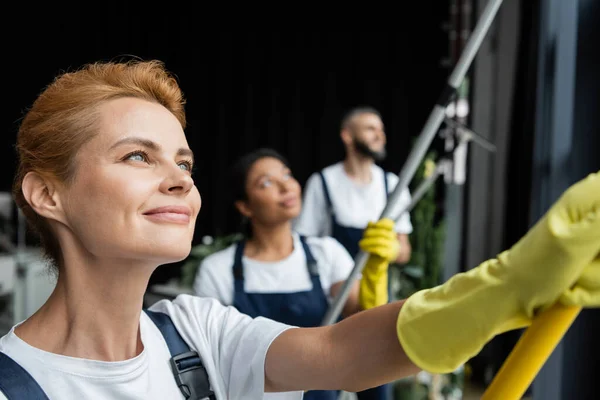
(42, 196)
(243, 208)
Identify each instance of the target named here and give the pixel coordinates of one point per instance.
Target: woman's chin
(169, 253)
(293, 215)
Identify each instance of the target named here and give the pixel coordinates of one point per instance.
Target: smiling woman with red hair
(105, 178)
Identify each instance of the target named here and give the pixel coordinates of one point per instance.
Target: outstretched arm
(439, 329)
(358, 353)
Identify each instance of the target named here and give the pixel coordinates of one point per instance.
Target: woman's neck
(270, 243)
(94, 311)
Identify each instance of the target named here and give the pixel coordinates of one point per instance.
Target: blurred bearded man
(341, 199)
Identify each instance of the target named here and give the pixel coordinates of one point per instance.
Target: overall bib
(349, 237)
(303, 309)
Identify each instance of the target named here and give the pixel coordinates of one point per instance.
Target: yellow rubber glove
(443, 327)
(381, 242)
(586, 291)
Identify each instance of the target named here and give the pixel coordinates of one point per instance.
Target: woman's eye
(187, 165)
(136, 157)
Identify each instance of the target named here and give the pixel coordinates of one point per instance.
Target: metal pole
(423, 142)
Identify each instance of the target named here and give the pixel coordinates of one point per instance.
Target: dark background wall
(247, 89)
(244, 89)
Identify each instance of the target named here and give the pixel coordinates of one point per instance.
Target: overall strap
(16, 383)
(189, 373)
(385, 184)
(326, 191)
(311, 261)
(238, 267)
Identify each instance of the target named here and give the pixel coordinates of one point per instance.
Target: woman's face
(274, 196)
(133, 196)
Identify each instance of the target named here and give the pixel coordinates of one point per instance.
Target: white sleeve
(204, 283)
(208, 283)
(2, 396)
(314, 216)
(232, 345)
(403, 224)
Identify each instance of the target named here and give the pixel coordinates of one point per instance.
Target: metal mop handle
(419, 150)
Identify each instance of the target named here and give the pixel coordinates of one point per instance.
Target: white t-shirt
(215, 274)
(354, 205)
(232, 346)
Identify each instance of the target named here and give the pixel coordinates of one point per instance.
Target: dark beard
(363, 149)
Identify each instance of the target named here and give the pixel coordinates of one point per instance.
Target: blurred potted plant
(427, 240)
(424, 270)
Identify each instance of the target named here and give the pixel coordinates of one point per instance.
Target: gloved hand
(586, 291)
(381, 242)
(443, 327)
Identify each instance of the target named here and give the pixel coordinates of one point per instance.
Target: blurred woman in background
(278, 274)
